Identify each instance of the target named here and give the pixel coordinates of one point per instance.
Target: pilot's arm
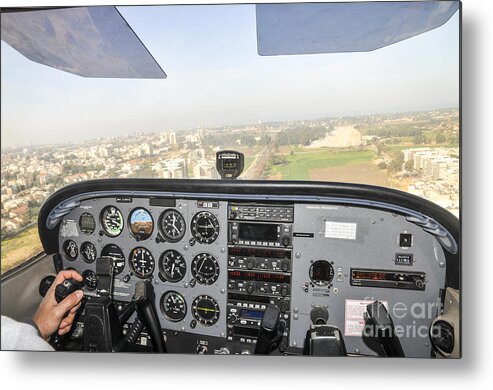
(48, 319)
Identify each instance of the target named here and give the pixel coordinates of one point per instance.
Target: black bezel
(216, 274)
(84, 258)
(161, 268)
(161, 230)
(138, 236)
(138, 275)
(161, 304)
(102, 225)
(193, 231)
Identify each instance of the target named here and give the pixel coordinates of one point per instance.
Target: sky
(216, 77)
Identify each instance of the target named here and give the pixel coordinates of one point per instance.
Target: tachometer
(141, 262)
(173, 225)
(173, 306)
(112, 221)
(205, 310)
(88, 252)
(172, 266)
(71, 250)
(114, 251)
(205, 227)
(141, 223)
(205, 268)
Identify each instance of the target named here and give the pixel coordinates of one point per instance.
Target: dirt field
(342, 137)
(361, 173)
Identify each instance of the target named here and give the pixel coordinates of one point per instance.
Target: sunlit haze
(216, 77)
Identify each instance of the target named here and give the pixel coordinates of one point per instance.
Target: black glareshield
(229, 164)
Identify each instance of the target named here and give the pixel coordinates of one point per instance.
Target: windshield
(388, 117)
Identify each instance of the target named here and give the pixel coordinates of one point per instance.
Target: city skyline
(219, 78)
(11, 148)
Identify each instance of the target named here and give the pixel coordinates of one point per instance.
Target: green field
(299, 165)
(248, 161)
(20, 248)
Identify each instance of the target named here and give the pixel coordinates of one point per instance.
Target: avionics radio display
(259, 276)
(388, 279)
(271, 253)
(258, 231)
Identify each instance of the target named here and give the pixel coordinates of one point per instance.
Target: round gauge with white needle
(173, 306)
(141, 262)
(172, 225)
(112, 221)
(88, 252)
(205, 310)
(205, 268)
(71, 250)
(205, 227)
(172, 266)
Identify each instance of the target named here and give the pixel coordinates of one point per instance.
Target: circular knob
(319, 315)
(283, 306)
(286, 241)
(284, 290)
(419, 283)
(285, 266)
(249, 288)
(233, 215)
(250, 262)
(232, 318)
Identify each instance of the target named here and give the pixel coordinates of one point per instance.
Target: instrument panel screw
(441, 264)
(185, 247)
(223, 291)
(223, 250)
(295, 316)
(298, 255)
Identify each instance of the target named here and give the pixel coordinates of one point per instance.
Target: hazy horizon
(215, 77)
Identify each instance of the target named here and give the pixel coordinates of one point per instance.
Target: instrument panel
(216, 263)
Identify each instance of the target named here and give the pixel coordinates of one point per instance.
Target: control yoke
(380, 327)
(103, 325)
(270, 332)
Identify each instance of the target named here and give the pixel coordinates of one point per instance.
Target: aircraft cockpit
(237, 239)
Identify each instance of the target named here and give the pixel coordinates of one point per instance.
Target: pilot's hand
(50, 315)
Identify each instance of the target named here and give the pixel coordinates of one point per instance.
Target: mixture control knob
(249, 288)
(286, 241)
